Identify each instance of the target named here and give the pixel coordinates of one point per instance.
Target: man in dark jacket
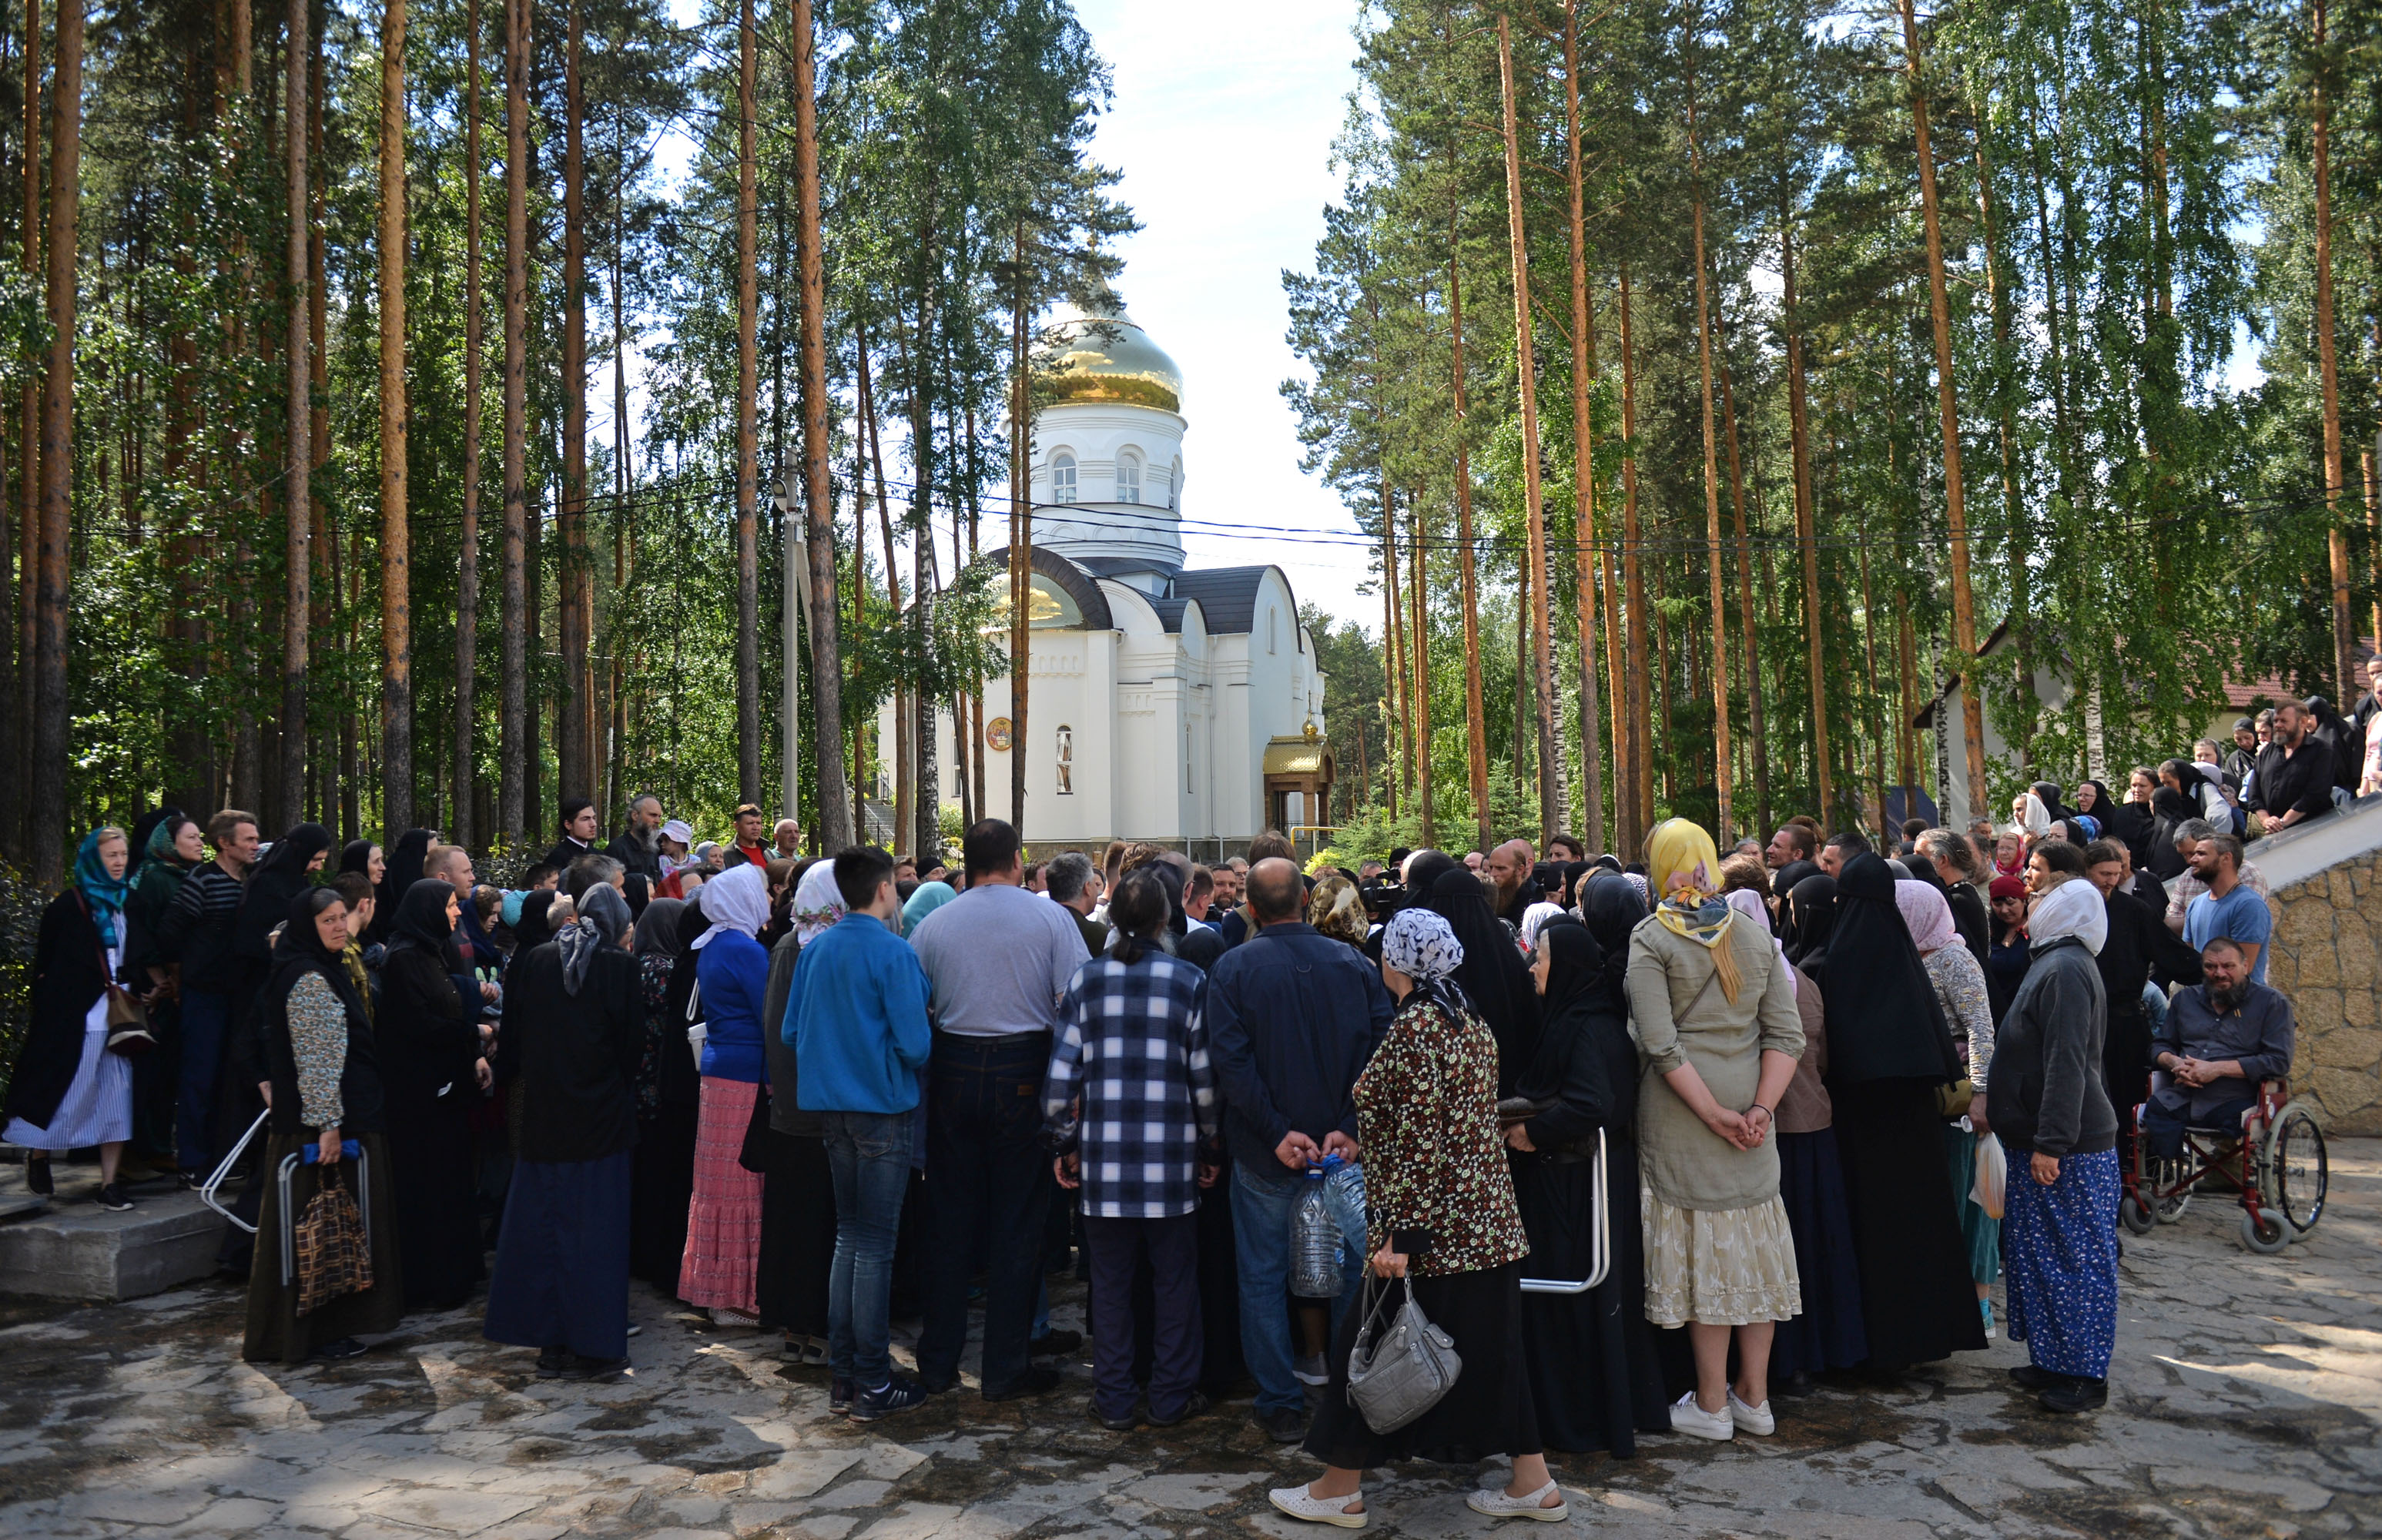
(2295, 771)
(2136, 937)
(197, 933)
(1293, 1015)
(578, 834)
(639, 847)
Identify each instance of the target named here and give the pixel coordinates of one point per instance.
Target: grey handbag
(1397, 1375)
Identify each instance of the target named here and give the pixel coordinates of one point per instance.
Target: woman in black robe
(668, 1094)
(432, 1067)
(1493, 974)
(1810, 916)
(316, 1042)
(533, 929)
(2170, 810)
(2130, 823)
(361, 856)
(1594, 1376)
(1889, 1050)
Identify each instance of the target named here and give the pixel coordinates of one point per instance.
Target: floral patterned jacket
(1436, 1179)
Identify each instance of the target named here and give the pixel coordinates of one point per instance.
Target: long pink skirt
(723, 1264)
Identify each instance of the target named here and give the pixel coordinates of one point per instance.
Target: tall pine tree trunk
(1798, 421)
(513, 724)
(748, 523)
(1745, 625)
(575, 737)
(2013, 505)
(1468, 577)
(47, 790)
(1955, 515)
(396, 551)
(1394, 664)
(467, 583)
(1419, 629)
(29, 545)
(2344, 639)
(296, 447)
(1641, 779)
(1537, 588)
(834, 805)
(1583, 372)
(1721, 764)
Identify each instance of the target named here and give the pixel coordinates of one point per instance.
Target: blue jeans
(869, 1159)
(1262, 1205)
(205, 1014)
(2163, 1125)
(986, 1165)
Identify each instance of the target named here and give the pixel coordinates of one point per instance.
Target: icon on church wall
(996, 735)
(1066, 761)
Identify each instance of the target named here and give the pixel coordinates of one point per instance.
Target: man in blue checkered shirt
(1131, 1100)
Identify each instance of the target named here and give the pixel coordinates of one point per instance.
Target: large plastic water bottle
(1315, 1238)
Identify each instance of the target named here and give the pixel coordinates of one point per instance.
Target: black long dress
(1889, 1048)
(1594, 1375)
(429, 1051)
(668, 1100)
(797, 1188)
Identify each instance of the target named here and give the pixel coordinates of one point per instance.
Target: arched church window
(1128, 480)
(1174, 487)
(1062, 478)
(1270, 630)
(1186, 759)
(1066, 760)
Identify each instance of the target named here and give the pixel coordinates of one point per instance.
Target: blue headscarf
(104, 893)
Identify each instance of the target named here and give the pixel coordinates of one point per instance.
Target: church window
(1174, 487)
(1128, 479)
(1066, 761)
(1270, 630)
(1186, 758)
(1062, 478)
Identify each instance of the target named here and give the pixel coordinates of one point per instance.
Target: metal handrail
(1600, 1250)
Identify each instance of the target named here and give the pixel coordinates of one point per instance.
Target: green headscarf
(104, 894)
(930, 896)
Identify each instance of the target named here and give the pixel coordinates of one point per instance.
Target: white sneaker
(1493, 1502)
(1690, 1418)
(1294, 1501)
(1310, 1370)
(1753, 1419)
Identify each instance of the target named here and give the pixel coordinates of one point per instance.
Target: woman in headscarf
(404, 868)
(531, 927)
(797, 1185)
(1610, 907)
(719, 1270)
(1715, 1013)
(286, 872)
(1441, 1200)
(1492, 972)
(668, 1094)
(1828, 1334)
(1889, 1052)
(320, 1058)
(2127, 823)
(174, 848)
(1968, 1009)
(1337, 910)
(1782, 884)
(432, 1068)
(929, 897)
(2005, 960)
(571, 1035)
(2053, 1113)
(66, 1090)
(1534, 920)
(2029, 815)
(366, 859)
(1594, 1377)
(2170, 810)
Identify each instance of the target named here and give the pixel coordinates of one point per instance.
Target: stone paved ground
(2247, 1394)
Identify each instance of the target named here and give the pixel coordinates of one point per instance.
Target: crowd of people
(1775, 1090)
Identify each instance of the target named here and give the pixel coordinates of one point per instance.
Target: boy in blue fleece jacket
(856, 1019)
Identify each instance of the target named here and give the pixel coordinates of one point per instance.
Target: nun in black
(1889, 1050)
(1781, 883)
(1594, 1376)
(1811, 921)
(320, 1058)
(573, 1033)
(287, 871)
(431, 1063)
(669, 1096)
(2129, 824)
(533, 928)
(1493, 974)
(2170, 810)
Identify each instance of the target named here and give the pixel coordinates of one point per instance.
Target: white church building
(1180, 706)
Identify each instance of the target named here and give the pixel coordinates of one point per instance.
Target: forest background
(1848, 335)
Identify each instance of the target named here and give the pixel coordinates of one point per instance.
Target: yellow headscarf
(1683, 869)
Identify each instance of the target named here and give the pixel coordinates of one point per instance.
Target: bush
(21, 922)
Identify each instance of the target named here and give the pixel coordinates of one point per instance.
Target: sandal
(1494, 1502)
(1294, 1501)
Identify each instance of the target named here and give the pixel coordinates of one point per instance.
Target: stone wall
(2327, 941)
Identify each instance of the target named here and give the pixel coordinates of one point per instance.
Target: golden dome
(1109, 359)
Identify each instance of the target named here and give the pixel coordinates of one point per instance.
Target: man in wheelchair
(2222, 1036)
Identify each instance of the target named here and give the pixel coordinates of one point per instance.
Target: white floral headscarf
(1421, 945)
(1534, 918)
(818, 905)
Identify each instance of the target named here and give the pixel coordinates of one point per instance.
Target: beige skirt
(1730, 1268)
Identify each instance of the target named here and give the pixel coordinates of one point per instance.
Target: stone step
(69, 1248)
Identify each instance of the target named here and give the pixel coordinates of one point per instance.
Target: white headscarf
(1746, 901)
(738, 899)
(2033, 817)
(818, 904)
(1534, 918)
(2074, 908)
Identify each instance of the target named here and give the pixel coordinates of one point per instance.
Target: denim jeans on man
(1263, 1203)
(986, 1165)
(205, 1014)
(2163, 1125)
(869, 1159)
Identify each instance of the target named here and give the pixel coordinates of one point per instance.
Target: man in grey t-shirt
(998, 960)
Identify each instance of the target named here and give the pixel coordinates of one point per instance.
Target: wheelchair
(2274, 1160)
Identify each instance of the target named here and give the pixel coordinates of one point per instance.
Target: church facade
(1165, 704)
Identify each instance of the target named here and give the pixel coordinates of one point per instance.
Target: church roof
(1170, 612)
(1227, 595)
(1108, 358)
(1078, 584)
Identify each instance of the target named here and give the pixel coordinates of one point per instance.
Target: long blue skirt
(2059, 1253)
(561, 1278)
(1829, 1334)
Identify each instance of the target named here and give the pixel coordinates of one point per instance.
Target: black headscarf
(279, 880)
(2171, 809)
(1586, 1062)
(297, 952)
(1810, 914)
(1611, 909)
(533, 929)
(2048, 791)
(1426, 867)
(1575, 987)
(1572, 873)
(421, 920)
(139, 843)
(406, 858)
(1884, 1019)
(1493, 974)
(356, 855)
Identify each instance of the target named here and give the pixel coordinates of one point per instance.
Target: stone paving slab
(2246, 1396)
